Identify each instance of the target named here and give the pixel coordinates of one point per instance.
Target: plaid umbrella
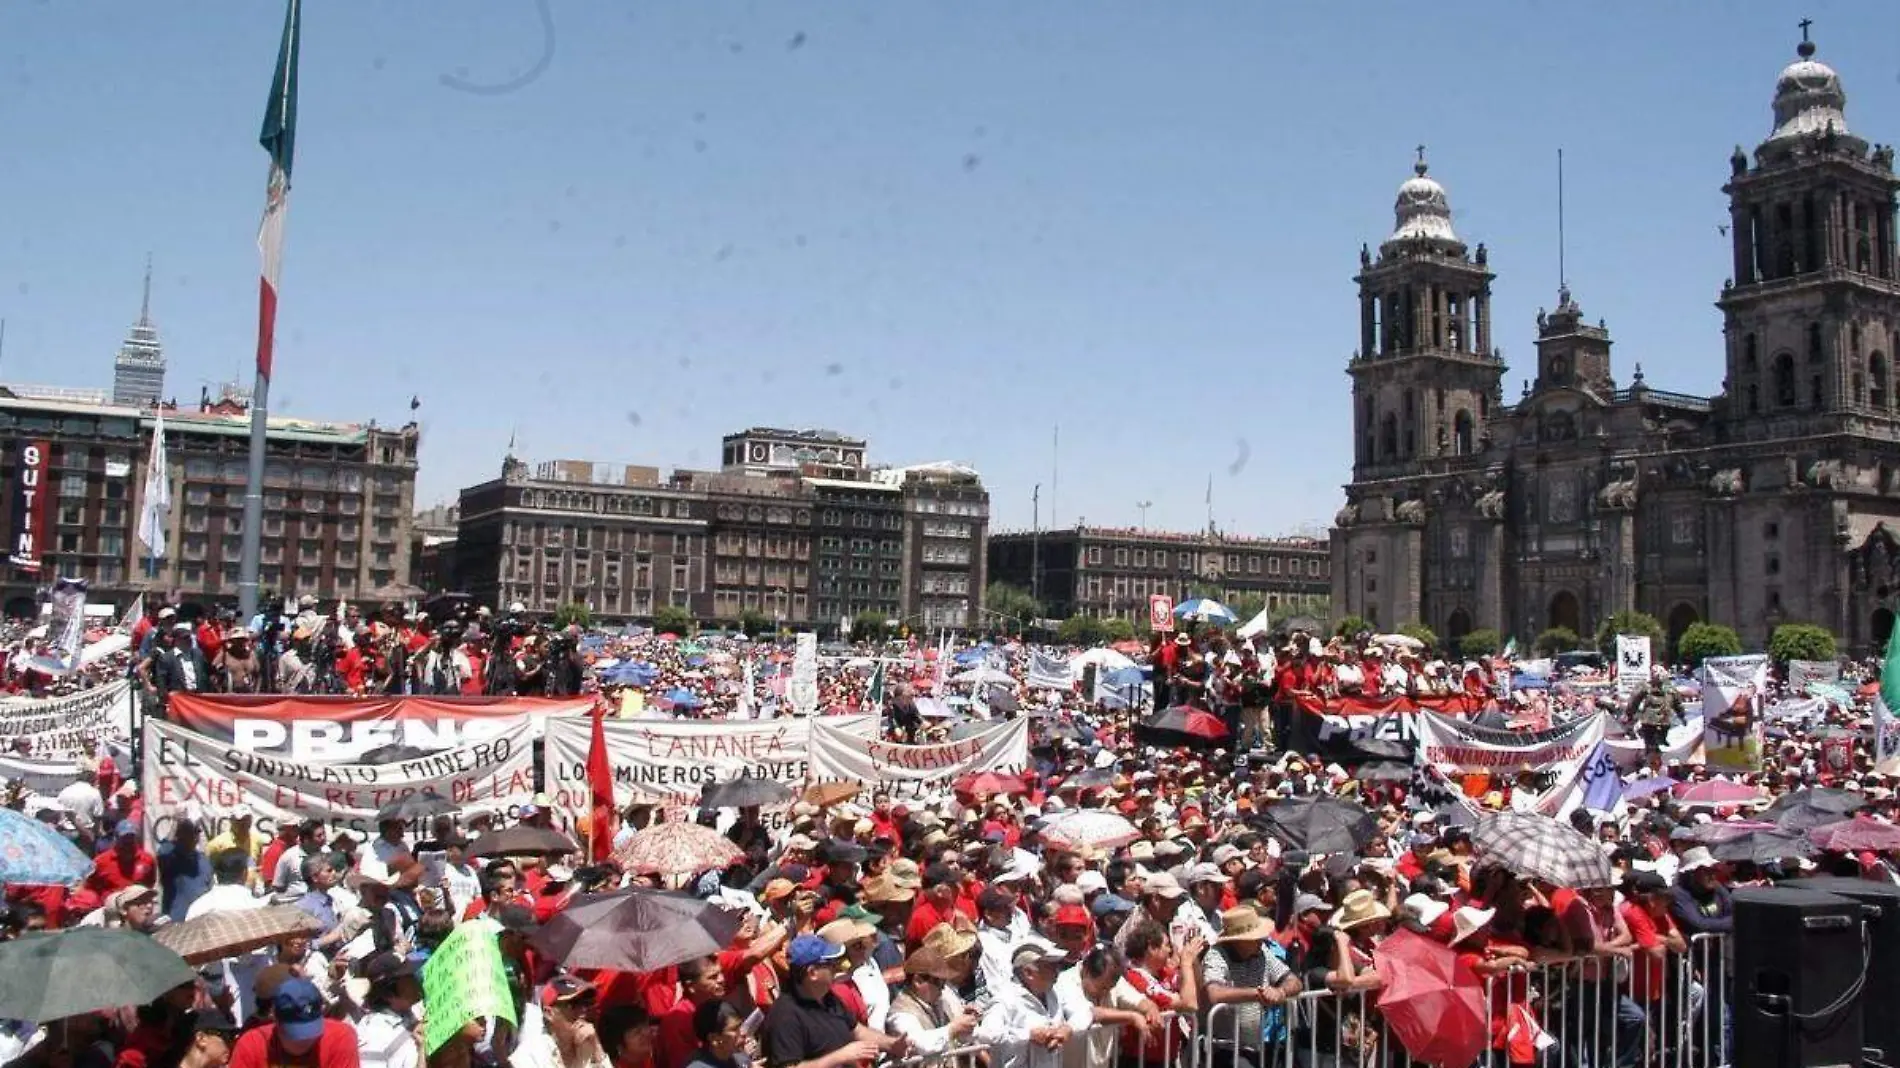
(636, 930)
(677, 849)
(31, 853)
(217, 935)
(46, 977)
(1542, 848)
(1089, 828)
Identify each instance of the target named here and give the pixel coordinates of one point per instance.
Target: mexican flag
(279, 137)
(1889, 698)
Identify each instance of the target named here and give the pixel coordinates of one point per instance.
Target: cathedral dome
(1809, 100)
(1422, 212)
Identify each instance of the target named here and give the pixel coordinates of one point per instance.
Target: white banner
(186, 769)
(668, 762)
(801, 690)
(48, 778)
(917, 770)
(1732, 689)
(1803, 673)
(1049, 672)
(1456, 745)
(65, 628)
(1632, 663)
(1683, 744)
(60, 729)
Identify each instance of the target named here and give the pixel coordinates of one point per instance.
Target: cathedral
(1777, 500)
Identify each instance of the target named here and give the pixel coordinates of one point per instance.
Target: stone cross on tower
(1804, 24)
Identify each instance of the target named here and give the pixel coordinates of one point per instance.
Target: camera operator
(175, 665)
(509, 631)
(565, 667)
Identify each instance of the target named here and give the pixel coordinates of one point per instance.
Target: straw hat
(1360, 906)
(1242, 925)
(949, 942)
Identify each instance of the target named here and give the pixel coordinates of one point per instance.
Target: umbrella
(1080, 829)
(1181, 726)
(636, 930)
(990, 784)
(1383, 771)
(1712, 833)
(1819, 799)
(1434, 1006)
(417, 806)
(1398, 641)
(1801, 816)
(1542, 848)
(1644, 787)
(1762, 847)
(1319, 824)
(393, 754)
(1717, 792)
(1091, 777)
(826, 794)
(33, 853)
(1857, 835)
(746, 791)
(217, 935)
(520, 839)
(45, 977)
(683, 698)
(1206, 610)
(676, 849)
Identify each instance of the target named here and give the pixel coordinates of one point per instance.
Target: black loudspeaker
(1880, 912)
(1799, 979)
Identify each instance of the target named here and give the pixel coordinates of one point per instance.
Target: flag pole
(278, 137)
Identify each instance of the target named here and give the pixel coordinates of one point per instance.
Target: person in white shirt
(391, 839)
(460, 879)
(1029, 1021)
(928, 1011)
(287, 880)
(997, 935)
(386, 1023)
(82, 800)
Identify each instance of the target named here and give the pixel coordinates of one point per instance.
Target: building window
(1121, 557)
(1273, 565)
(1772, 565)
(1312, 568)
(1095, 554)
(72, 484)
(1682, 528)
(1253, 565)
(1784, 380)
(1141, 558)
(1771, 530)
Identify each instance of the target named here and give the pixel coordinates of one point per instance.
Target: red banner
(333, 729)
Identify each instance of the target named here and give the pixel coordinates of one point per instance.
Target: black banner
(33, 460)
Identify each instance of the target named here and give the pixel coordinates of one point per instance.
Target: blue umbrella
(33, 853)
(683, 697)
(1207, 610)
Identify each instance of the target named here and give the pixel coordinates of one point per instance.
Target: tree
(1080, 630)
(672, 619)
(1117, 629)
(870, 627)
(1247, 605)
(1350, 626)
(1557, 640)
(1479, 644)
(1801, 641)
(753, 622)
(1422, 633)
(1013, 604)
(1703, 640)
(1631, 623)
(573, 613)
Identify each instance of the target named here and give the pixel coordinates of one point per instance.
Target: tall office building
(138, 374)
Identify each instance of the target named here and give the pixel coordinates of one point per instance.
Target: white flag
(157, 504)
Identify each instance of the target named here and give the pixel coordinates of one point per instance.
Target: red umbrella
(990, 784)
(1433, 1004)
(1717, 792)
(1857, 835)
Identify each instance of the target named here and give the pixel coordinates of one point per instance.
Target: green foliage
(1557, 640)
(1703, 640)
(754, 622)
(1631, 623)
(870, 627)
(1117, 629)
(1350, 626)
(575, 614)
(1422, 633)
(1801, 641)
(1080, 630)
(1245, 606)
(1480, 643)
(1011, 607)
(672, 619)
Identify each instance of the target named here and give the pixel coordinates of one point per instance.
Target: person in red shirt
(126, 863)
(210, 639)
(701, 981)
(1646, 913)
(936, 904)
(298, 1035)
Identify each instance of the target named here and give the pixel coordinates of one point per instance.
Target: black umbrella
(522, 839)
(46, 977)
(636, 930)
(1000, 700)
(1384, 771)
(746, 791)
(417, 806)
(1806, 809)
(1092, 777)
(1319, 824)
(1763, 847)
(393, 754)
(1182, 725)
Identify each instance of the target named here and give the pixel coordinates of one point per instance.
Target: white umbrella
(1089, 828)
(1405, 641)
(1206, 610)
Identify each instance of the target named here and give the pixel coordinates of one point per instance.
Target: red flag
(600, 785)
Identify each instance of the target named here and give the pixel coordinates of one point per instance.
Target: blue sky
(946, 227)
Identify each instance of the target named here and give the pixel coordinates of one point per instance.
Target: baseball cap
(119, 900)
(1111, 904)
(1310, 903)
(1161, 884)
(807, 950)
(126, 829)
(1072, 916)
(1035, 951)
(298, 1010)
(386, 966)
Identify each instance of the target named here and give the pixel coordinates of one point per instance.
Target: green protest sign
(464, 980)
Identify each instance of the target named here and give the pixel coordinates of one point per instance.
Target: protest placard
(464, 980)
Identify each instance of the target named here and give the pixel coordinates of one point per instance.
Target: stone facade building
(1775, 500)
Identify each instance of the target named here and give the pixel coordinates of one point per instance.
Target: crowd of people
(1115, 901)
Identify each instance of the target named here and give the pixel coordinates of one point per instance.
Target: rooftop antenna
(145, 304)
(1563, 280)
(1055, 471)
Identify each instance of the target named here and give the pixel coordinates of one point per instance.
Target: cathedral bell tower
(1812, 314)
(1426, 377)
